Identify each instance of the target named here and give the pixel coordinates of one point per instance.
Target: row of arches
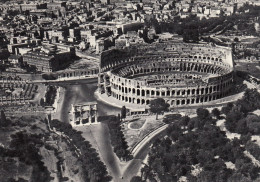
(172, 102)
(170, 92)
(140, 69)
(78, 73)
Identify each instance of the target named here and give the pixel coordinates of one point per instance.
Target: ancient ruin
(182, 74)
(84, 114)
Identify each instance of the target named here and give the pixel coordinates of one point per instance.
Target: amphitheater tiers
(182, 74)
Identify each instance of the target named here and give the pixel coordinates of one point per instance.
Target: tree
(238, 177)
(136, 179)
(185, 120)
(3, 120)
(158, 105)
(215, 112)
(42, 102)
(202, 113)
(123, 112)
(225, 110)
(190, 35)
(236, 39)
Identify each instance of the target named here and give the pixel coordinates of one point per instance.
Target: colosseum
(182, 74)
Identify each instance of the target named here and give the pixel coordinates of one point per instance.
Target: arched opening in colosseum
(143, 101)
(182, 102)
(147, 102)
(138, 101)
(163, 93)
(172, 102)
(210, 90)
(138, 92)
(177, 102)
(192, 101)
(197, 100)
(193, 91)
(188, 92)
(143, 92)
(202, 91)
(157, 93)
(152, 92)
(206, 91)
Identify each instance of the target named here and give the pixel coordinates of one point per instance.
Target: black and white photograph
(129, 90)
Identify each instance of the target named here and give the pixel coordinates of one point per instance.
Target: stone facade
(180, 73)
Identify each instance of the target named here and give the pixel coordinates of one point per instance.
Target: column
(89, 116)
(96, 121)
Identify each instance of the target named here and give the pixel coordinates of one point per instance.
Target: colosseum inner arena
(182, 74)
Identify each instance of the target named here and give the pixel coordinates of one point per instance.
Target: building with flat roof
(50, 57)
(41, 60)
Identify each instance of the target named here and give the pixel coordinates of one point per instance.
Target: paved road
(147, 139)
(81, 92)
(136, 163)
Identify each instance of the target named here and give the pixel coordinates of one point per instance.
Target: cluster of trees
(117, 138)
(49, 96)
(238, 116)
(192, 27)
(26, 147)
(94, 169)
(197, 142)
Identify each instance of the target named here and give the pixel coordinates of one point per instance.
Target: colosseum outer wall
(183, 74)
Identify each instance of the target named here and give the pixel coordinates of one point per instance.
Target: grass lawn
(137, 124)
(135, 135)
